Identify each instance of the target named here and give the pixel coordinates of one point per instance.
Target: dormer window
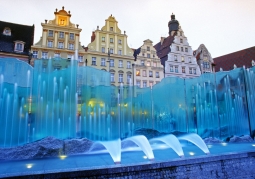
(7, 31)
(19, 46)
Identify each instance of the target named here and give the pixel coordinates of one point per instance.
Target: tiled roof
(18, 32)
(240, 58)
(164, 48)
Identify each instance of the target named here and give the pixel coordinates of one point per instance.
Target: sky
(223, 26)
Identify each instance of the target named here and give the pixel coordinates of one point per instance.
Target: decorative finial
(63, 7)
(69, 12)
(77, 25)
(97, 27)
(111, 15)
(56, 10)
(124, 32)
(46, 21)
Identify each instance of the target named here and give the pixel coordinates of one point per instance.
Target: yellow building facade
(109, 51)
(60, 38)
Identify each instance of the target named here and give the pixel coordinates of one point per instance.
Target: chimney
(162, 40)
(93, 36)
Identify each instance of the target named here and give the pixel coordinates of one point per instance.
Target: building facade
(109, 51)
(60, 39)
(204, 59)
(176, 54)
(16, 40)
(147, 69)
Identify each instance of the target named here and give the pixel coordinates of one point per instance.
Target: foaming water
(172, 142)
(143, 143)
(195, 139)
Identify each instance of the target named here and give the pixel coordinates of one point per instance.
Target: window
(175, 57)
(194, 71)
(148, 63)
(120, 63)
(103, 39)
(111, 28)
(102, 61)
(144, 84)
(155, 64)
(177, 48)
(180, 33)
(61, 35)
(144, 73)
(80, 58)
(186, 49)
(111, 40)
(35, 54)
(60, 45)
(148, 48)
(128, 78)
(150, 74)
(138, 84)
(57, 55)
(157, 74)
(45, 55)
(182, 49)
(182, 59)
(137, 72)
(94, 60)
(190, 70)
(120, 78)
(148, 55)
(119, 52)
(50, 44)
(171, 68)
(142, 62)
(112, 77)
(19, 47)
(71, 36)
(50, 33)
(111, 51)
(128, 64)
(151, 83)
(176, 69)
(183, 69)
(181, 40)
(111, 62)
(71, 46)
(103, 49)
(7, 31)
(119, 42)
(189, 60)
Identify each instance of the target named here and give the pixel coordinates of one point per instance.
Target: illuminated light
(145, 157)
(125, 105)
(112, 112)
(224, 144)
(192, 153)
(253, 145)
(62, 157)
(29, 165)
(180, 105)
(209, 146)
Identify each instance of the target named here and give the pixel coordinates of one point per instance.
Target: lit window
(148, 63)
(71, 36)
(182, 59)
(155, 64)
(102, 61)
(71, 46)
(103, 49)
(50, 33)
(148, 55)
(61, 35)
(183, 69)
(103, 39)
(138, 84)
(128, 64)
(80, 58)
(94, 60)
(111, 28)
(35, 54)
(112, 77)
(119, 52)
(144, 84)
(121, 78)
(157, 74)
(150, 74)
(176, 69)
(111, 40)
(144, 73)
(119, 41)
(120, 63)
(111, 50)
(171, 68)
(111, 62)
(50, 44)
(60, 45)
(45, 55)
(137, 72)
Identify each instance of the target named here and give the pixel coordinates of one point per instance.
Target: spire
(173, 24)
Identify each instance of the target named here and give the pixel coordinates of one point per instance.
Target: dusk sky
(223, 26)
